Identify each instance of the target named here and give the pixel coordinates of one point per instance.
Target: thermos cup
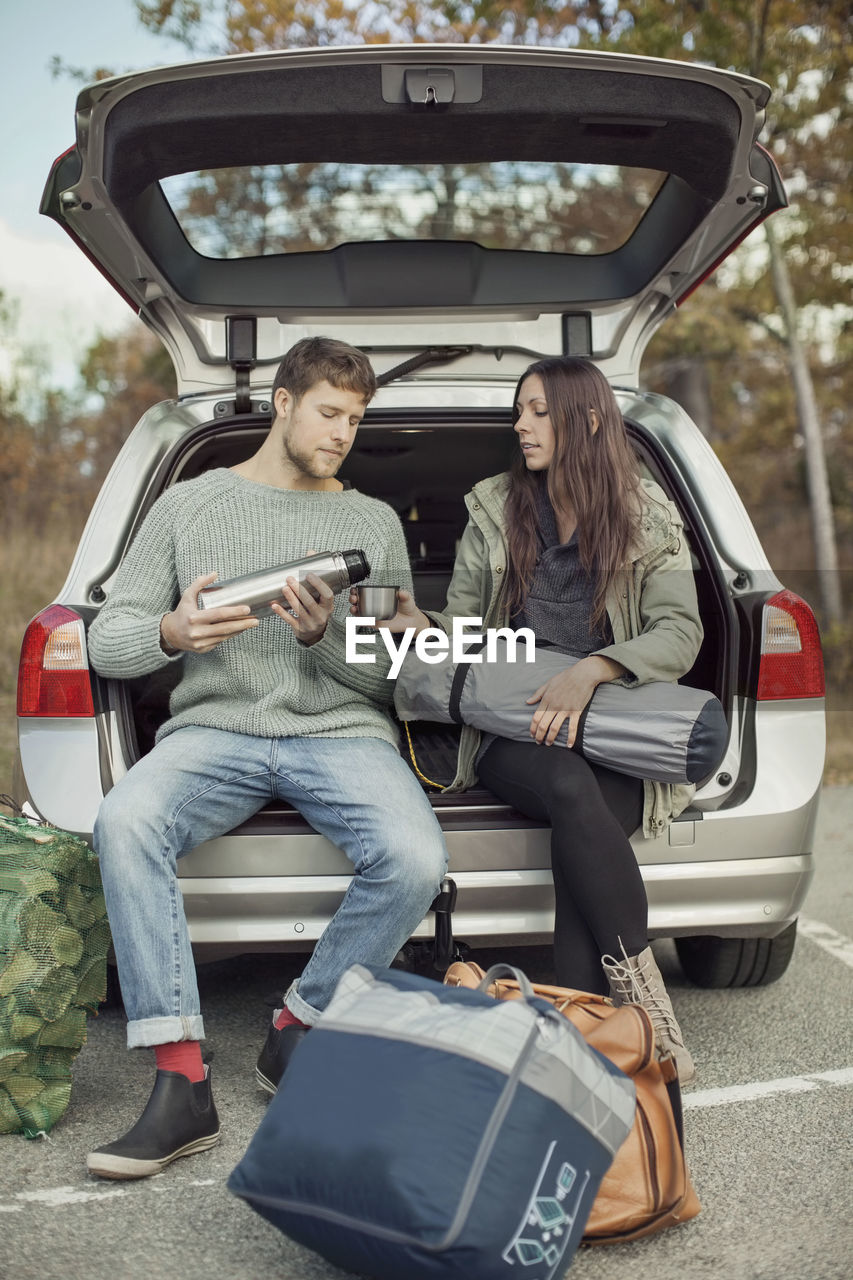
(377, 602)
(338, 569)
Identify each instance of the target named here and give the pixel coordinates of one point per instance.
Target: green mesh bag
(54, 938)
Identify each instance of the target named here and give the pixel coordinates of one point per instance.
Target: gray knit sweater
(262, 682)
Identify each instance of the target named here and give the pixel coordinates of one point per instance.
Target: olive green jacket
(652, 607)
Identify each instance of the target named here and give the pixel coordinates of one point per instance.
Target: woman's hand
(306, 617)
(408, 614)
(565, 696)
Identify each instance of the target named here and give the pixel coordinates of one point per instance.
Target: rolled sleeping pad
(661, 731)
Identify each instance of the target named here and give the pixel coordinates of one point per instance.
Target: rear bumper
(755, 897)
(738, 897)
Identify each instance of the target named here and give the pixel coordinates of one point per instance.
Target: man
(264, 709)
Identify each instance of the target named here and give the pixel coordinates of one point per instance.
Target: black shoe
(276, 1054)
(179, 1120)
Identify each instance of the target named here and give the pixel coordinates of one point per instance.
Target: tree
(56, 445)
(803, 51)
(124, 376)
(34, 443)
(243, 26)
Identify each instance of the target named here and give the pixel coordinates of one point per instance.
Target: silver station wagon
(457, 212)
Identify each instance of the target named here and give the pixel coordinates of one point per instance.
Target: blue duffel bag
(430, 1131)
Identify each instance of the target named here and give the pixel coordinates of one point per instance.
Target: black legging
(600, 897)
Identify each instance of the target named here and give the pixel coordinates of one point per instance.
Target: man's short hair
(314, 360)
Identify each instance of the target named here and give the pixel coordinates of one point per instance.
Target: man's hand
(306, 616)
(565, 695)
(189, 629)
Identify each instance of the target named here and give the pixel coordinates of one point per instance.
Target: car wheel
(736, 962)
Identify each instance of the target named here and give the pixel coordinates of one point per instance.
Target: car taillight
(53, 674)
(791, 657)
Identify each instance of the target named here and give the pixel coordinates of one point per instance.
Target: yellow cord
(441, 786)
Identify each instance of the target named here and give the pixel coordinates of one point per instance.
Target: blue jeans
(199, 783)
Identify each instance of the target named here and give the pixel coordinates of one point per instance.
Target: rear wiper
(432, 355)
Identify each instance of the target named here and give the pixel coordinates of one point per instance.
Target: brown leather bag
(647, 1187)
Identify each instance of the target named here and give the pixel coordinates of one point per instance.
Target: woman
(573, 544)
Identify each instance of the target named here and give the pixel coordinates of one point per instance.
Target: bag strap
(577, 745)
(673, 1089)
(460, 675)
(442, 786)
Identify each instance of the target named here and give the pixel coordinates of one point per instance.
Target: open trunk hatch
(434, 183)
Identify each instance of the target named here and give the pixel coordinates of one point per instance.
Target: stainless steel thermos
(338, 569)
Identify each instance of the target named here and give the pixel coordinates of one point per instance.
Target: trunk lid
(529, 200)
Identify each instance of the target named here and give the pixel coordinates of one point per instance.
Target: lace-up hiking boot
(276, 1054)
(179, 1120)
(637, 980)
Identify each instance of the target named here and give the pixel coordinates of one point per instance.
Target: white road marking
(835, 944)
(57, 1196)
(765, 1088)
(842, 1075)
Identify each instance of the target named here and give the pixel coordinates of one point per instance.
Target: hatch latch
(426, 88)
(430, 87)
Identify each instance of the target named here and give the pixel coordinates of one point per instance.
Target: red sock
(183, 1057)
(284, 1018)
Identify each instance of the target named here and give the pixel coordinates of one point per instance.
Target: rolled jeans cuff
(145, 1032)
(300, 1008)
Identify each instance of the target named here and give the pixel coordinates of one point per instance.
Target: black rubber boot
(179, 1120)
(276, 1053)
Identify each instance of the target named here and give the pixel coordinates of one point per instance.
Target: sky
(63, 302)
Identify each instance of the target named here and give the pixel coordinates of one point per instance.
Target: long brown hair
(594, 472)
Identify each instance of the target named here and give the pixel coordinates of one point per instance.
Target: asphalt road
(769, 1129)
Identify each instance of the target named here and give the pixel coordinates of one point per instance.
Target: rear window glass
(300, 208)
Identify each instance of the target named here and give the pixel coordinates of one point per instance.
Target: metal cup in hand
(377, 602)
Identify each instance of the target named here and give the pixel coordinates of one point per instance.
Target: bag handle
(502, 971)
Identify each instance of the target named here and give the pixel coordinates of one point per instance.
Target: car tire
(736, 962)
